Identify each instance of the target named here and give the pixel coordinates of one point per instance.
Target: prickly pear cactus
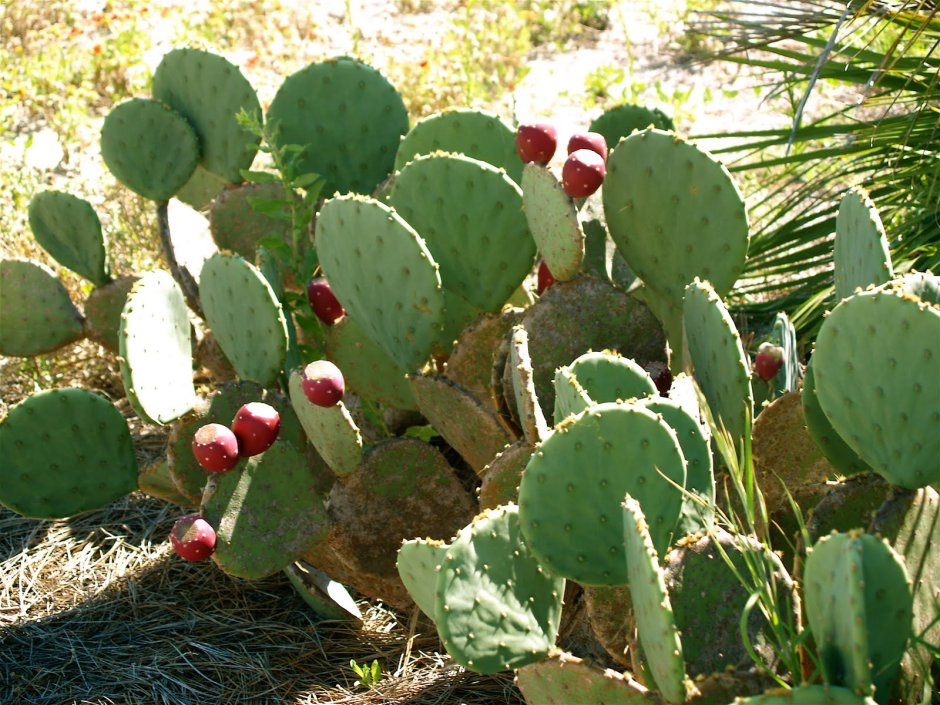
(237, 227)
(68, 229)
(103, 309)
(331, 429)
(860, 251)
(807, 695)
(622, 120)
(418, 563)
(561, 678)
(553, 221)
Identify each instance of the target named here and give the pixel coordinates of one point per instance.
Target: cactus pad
(621, 120)
(103, 309)
(149, 147)
(675, 214)
(65, 451)
(418, 562)
(471, 362)
(553, 221)
(848, 505)
(328, 598)
(156, 349)
(718, 359)
(610, 613)
(501, 477)
(237, 227)
(860, 251)
(330, 429)
(155, 480)
(568, 497)
(877, 368)
(652, 610)
(209, 92)
(68, 228)
(570, 397)
(348, 118)
(245, 316)
(38, 315)
(607, 376)
(496, 608)
(555, 680)
(470, 216)
(807, 695)
(529, 411)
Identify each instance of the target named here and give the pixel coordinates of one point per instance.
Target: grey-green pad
(149, 147)
(65, 451)
(384, 276)
(237, 227)
(570, 492)
(475, 133)
(621, 120)
(860, 252)
(245, 316)
(265, 515)
(608, 376)
(496, 607)
(156, 350)
(470, 216)
(418, 562)
(717, 358)
(36, 313)
(555, 680)
(530, 414)
(807, 695)
(209, 92)
(348, 118)
(68, 228)
(367, 369)
(501, 477)
(470, 428)
(330, 429)
(675, 213)
(877, 367)
(570, 397)
(203, 186)
(103, 309)
(652, 610)
(553, 221)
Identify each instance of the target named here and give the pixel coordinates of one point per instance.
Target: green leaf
(259, 177)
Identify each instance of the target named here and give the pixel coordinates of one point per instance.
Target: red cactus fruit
(193, 538)
(545, 278)
(256, 426)
(323, 383)
(536, 142)
(215, 447)
(588, 140)
(323, 302)
(768, 361)
(583, 173)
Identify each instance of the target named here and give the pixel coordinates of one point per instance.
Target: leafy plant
(368, 676)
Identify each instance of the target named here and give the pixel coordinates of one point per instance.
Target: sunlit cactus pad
(555, 680)
(553, 220)
(622, 120)
(330, 429)
(65, 451)
(860, 251)
(418, 561)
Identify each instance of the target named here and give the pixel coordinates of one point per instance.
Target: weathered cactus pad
(860, 252)
(155, 480)
(68, 228)
(103, 309)
(65, 451)
(877, 367)
(471, 362)
(553, 221)
(529, 411)
(149, 147)
(496, 608)
(501, 477)
(610, 613)
(266, 514)
(848, 505)
(556, 679)
(156, 351)
(236, 226)
(38, 315)
(209, 92)
(418, 562)
(570, 493)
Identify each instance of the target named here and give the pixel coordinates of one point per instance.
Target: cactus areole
(256, 426)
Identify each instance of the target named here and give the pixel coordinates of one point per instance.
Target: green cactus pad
(384, 276)
(921, 285)
(595, 248)
(367, 368)
(470, 428)
(807, 695)
(652, 610)
(237, 227)
(68, 228)
(65, 451)
(585, 314)
(501, 477)
(331, 429)
(554, 680)
(209, 92)
(470, 216)
(608, 376)
(675, 214)
(910, 522)
(103, 309)
(568, 496)
(610, 614)
(858, 604)
(837, 452)
(149, 147)
(38, 315)
(496, 607)
(529, 412)
(203, 186)
(471, 362)
(245, 316)
(266, 514)
(406, 487)
(621, 120)
(475, 133)
(700, 476)
(328, 598)
(877, 368)
(348, 118)
(156, 349)
(553, 221)
(860, 251)
(718, 359)
(848, 505)
(418, 562)
(155, 480)
(570, 397)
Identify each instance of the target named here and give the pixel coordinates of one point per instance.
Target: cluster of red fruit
(585, 168)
